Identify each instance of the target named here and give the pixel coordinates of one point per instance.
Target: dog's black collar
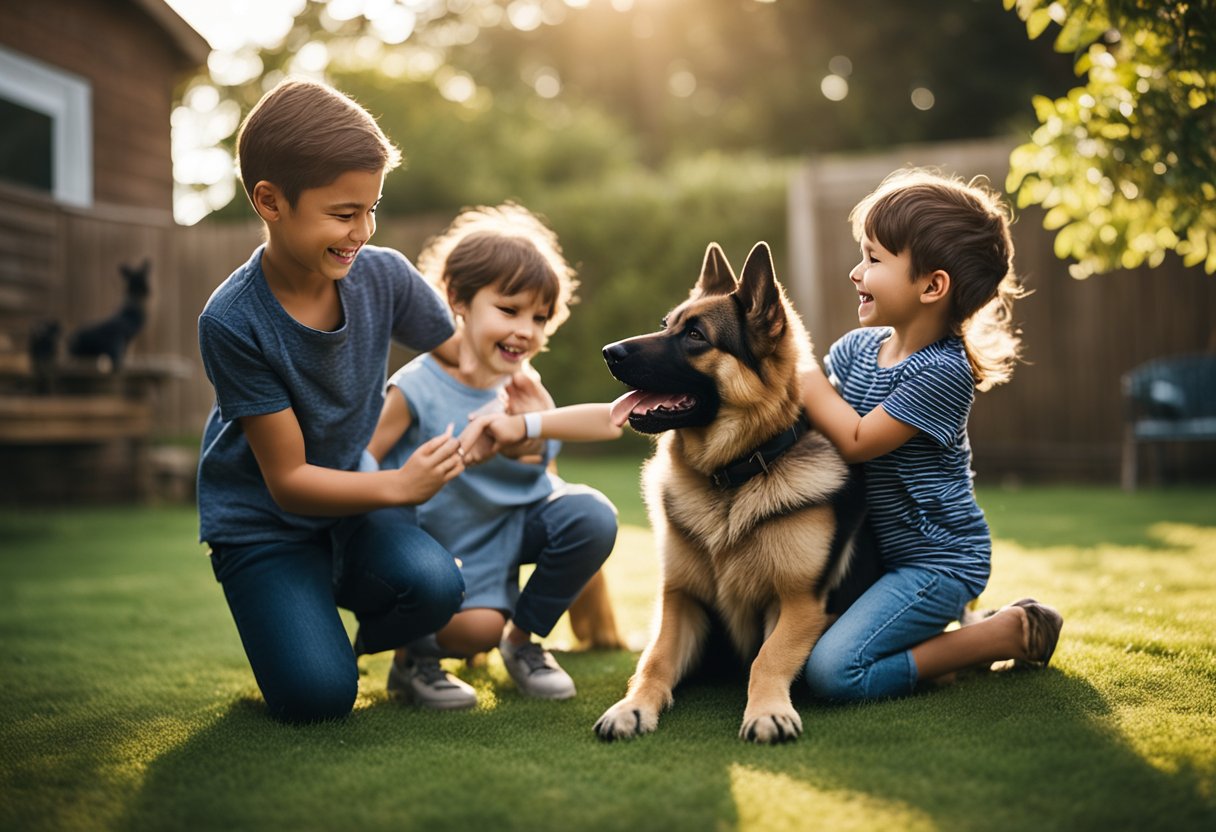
(757, 460)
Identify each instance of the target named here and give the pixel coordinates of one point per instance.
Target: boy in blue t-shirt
(295, 343)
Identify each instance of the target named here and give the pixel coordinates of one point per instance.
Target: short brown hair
(507, 247)
(304, 134)
(961, 228)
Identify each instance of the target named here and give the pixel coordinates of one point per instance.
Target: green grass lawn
(128, 705)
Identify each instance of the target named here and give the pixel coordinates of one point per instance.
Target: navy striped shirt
(920, 497)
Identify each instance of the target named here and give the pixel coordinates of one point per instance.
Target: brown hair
(507, 247)
(961, 228)
(303, 134)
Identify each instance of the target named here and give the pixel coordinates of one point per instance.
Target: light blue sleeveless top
(479, 516)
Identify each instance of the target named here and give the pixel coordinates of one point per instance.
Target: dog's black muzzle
(655, 363)
(617, 354)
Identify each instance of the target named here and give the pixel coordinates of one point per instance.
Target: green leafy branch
(1125, 165)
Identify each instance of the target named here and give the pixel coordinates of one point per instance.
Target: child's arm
(526, 393)
(394, 421)
(573, 423)
(858, 438)
(302, 488)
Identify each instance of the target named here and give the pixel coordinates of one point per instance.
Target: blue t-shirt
(478, 516)
(261, 360)
(920, 496)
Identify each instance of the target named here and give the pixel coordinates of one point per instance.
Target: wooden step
(33, 420)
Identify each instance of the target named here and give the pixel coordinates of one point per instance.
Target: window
(46, 129)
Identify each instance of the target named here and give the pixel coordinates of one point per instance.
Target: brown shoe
(1043, 625)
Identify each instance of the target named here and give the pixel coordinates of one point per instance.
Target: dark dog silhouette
(44, 353)
(110, 337)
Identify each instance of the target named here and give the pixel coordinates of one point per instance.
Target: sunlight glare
(202, 98)
(834, 88)
(923, 98)
(768, 800)
(232, 69)
(395, 25)
(525, 15)
(229, 25)
(841, 65)
(681, 82)
(546, 82)
(344, 9)
(311, 59)
(457, 87)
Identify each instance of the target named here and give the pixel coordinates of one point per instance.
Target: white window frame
(68, 100)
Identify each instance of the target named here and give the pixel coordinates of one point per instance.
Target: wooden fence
(1062, 415)
(1060, 418)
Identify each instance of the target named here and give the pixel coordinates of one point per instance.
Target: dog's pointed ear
(717, 277)
(760, 295)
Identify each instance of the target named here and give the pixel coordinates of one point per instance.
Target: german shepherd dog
(754, 512)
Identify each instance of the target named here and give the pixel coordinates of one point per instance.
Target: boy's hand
(430, 467)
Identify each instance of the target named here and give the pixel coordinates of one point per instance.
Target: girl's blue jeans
(284, 596)
(568, 536)
(866, 654)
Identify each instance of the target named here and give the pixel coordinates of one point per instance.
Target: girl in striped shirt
(935, 287)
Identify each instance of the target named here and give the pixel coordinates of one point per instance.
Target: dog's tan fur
(592, 618)
(756, 555)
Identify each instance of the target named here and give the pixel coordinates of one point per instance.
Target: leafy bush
(637, 241)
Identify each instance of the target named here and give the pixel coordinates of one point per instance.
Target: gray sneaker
(535, 671)
(424, 682)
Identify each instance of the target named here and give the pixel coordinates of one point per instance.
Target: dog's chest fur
(736, 546)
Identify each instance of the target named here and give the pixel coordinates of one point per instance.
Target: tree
(494, 98)
(1125, 165)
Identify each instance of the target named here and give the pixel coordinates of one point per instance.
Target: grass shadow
(389, 766)
(1003, 751)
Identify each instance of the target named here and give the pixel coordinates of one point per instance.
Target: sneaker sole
(405, 694)
(556, 696)
(409, 698)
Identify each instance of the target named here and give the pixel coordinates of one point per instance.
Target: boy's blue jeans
(397, 580)
(866, 653)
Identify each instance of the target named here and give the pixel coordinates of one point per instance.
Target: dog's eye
(695, 334)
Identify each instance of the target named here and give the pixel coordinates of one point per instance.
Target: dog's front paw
(771, 725)
(626, 720)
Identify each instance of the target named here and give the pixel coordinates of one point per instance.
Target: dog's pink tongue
(622, 407)
(640, 401)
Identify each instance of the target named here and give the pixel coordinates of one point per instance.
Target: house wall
(132, 66)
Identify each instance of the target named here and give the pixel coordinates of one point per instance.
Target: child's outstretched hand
(487, 435)
(431, 465)
(525, 392)
(476, 443)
